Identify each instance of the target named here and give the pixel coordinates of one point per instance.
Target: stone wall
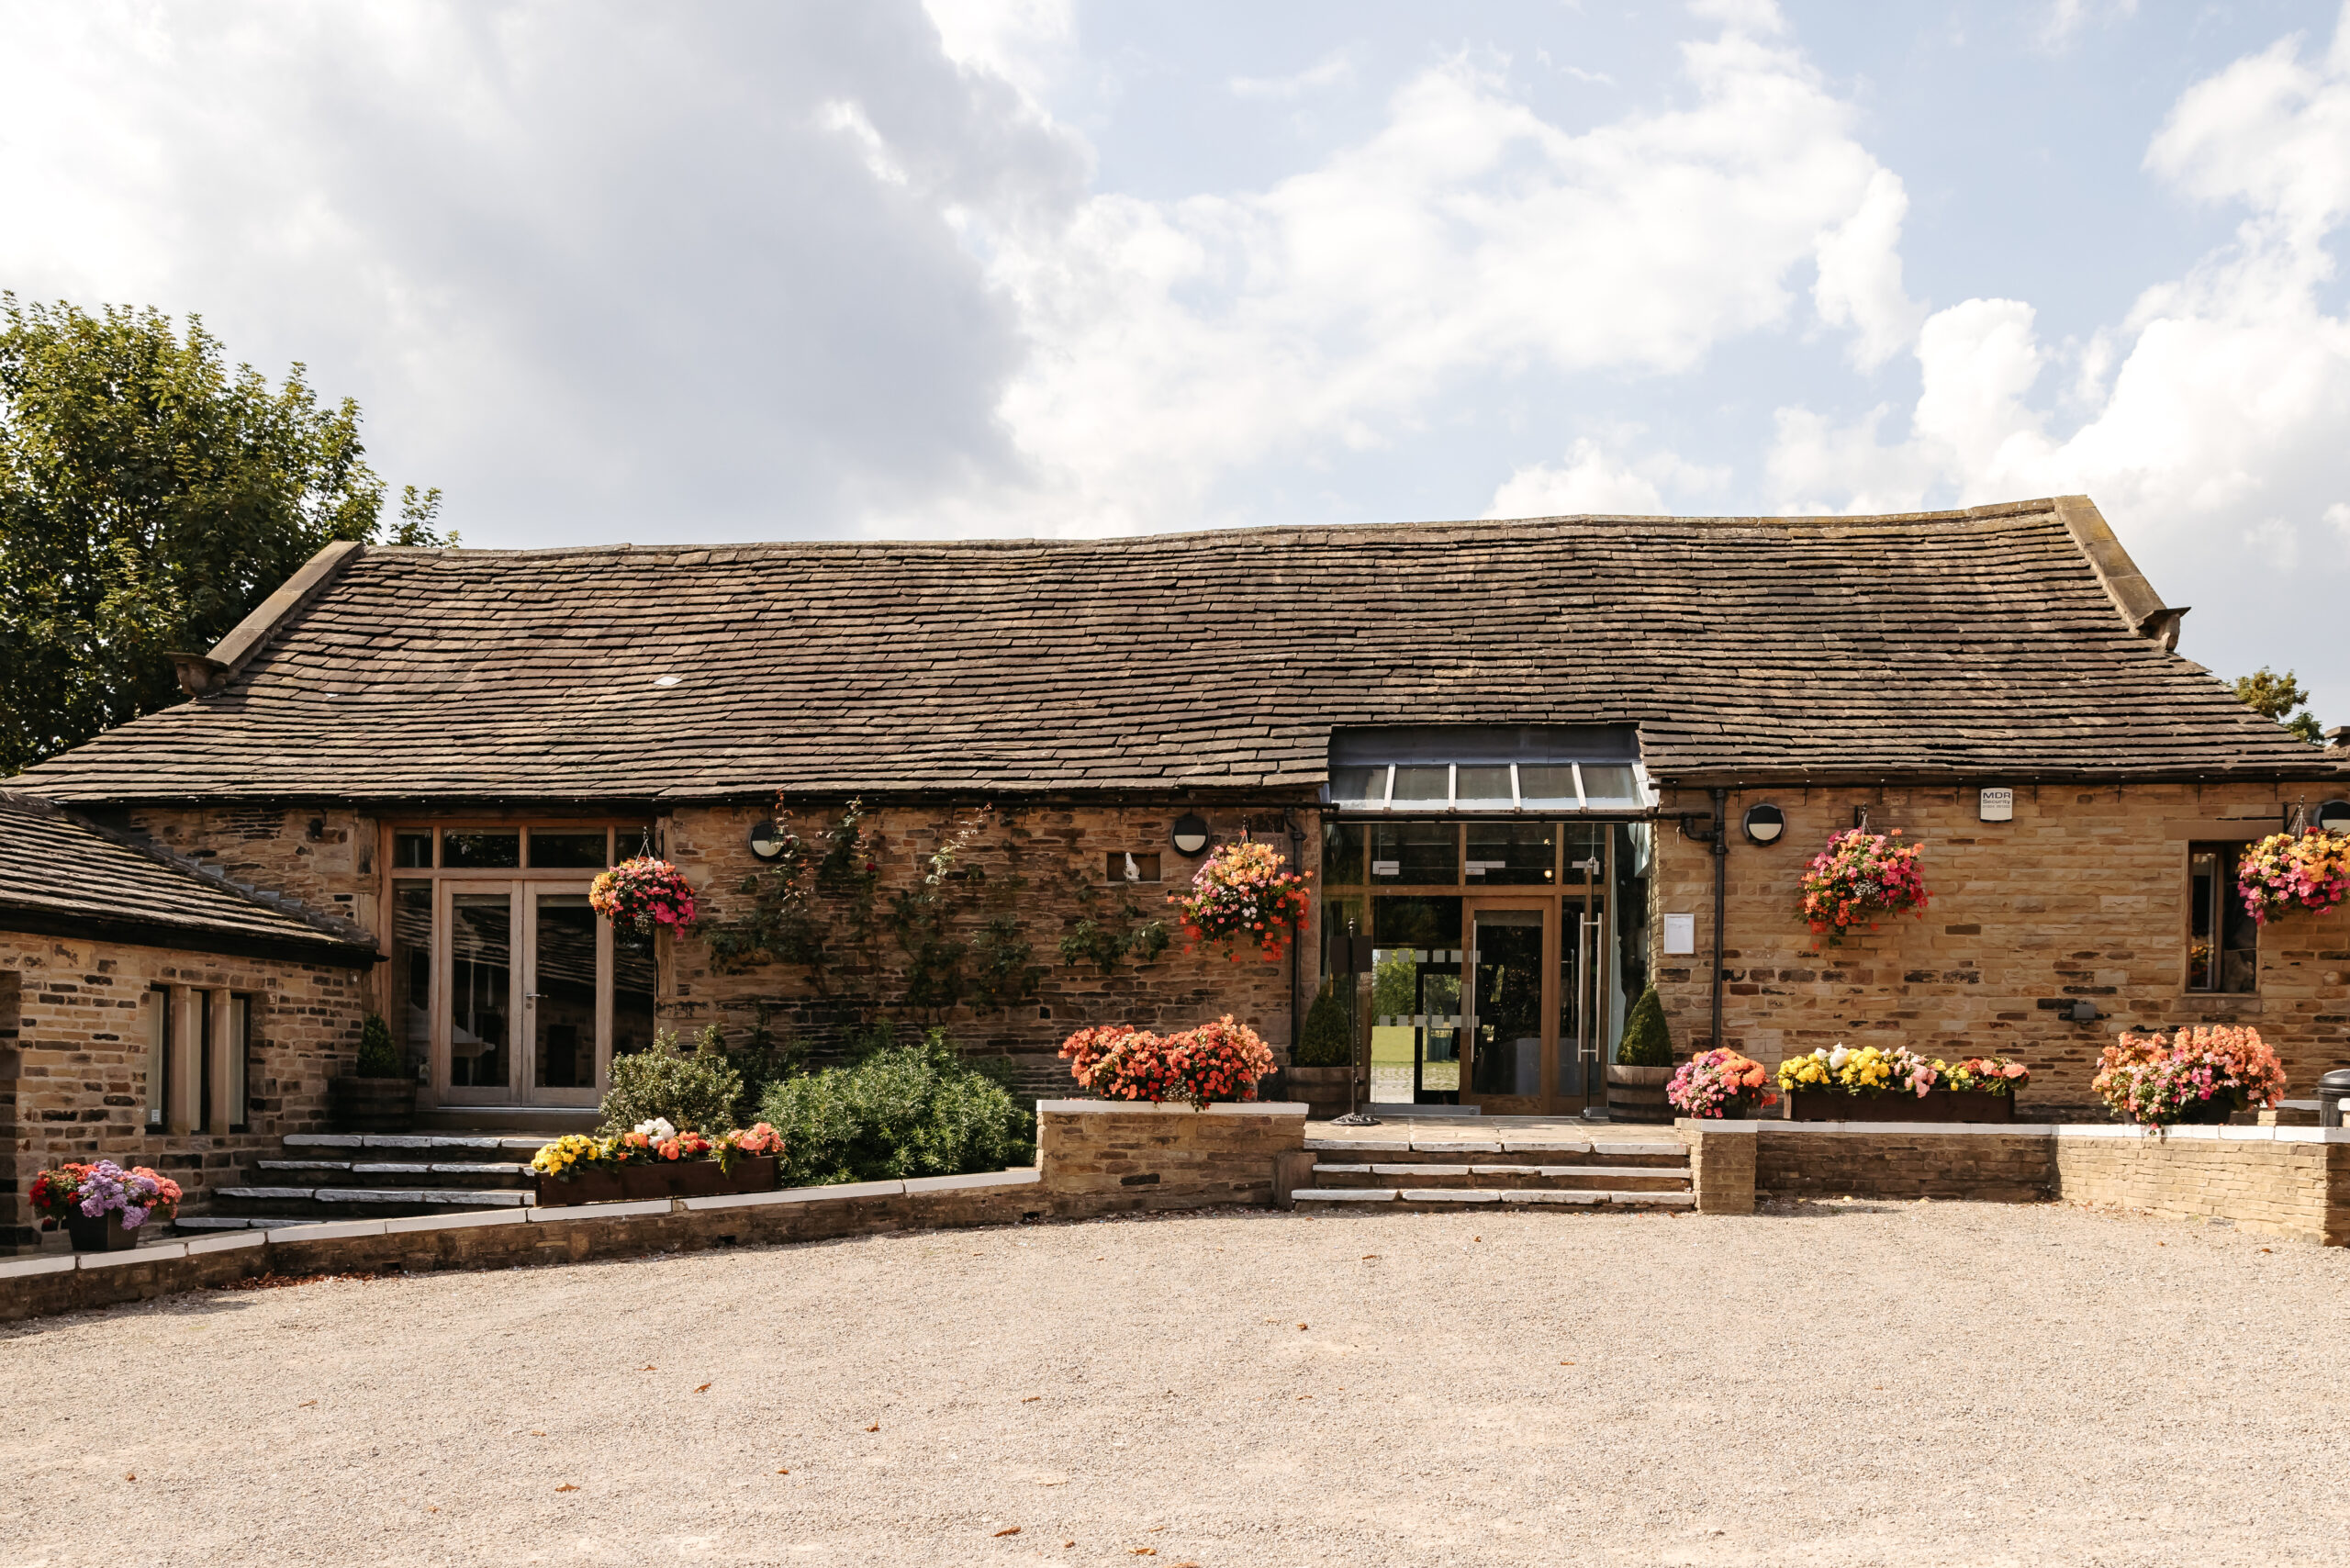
(1802, 1159)
(2083, 896)
(323, 855)
(2289, 1181)
(1089, 1154)
(76, 1073)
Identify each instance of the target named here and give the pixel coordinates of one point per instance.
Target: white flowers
(1836, 1058)
(658, 1129)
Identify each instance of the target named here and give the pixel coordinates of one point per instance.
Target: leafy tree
(149, 501)
(2274, 696)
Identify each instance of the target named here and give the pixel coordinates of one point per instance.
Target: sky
(883, 268)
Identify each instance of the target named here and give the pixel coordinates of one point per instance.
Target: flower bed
(1861, 875)
(644, 894)
(654, 1159)
(2198, 1075)
(2309, 869)
(1720, 1083)
(1874, 1084)
(1222, 1060)
(1244, 895)
(102, 1205)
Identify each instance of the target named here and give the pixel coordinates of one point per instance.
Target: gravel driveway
(1830, 1384)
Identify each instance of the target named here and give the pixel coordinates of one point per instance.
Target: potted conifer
(1323, 1071)
(1642, 1069)
(378, 1097)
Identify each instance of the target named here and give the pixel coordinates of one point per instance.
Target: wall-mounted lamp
(1765, 823)
(2335, 817)
(1190, 835)
(766, 840)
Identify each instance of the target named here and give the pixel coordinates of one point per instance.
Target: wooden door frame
(1546, 902)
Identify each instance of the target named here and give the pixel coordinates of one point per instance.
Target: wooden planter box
(1325, 1089)
(1935, 1105)
(1637, 1093)
(372, 1104)
(661, 1178)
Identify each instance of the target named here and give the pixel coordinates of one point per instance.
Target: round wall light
(1190, 834)
(2335, 817)
(766, 840)
(1765, 823)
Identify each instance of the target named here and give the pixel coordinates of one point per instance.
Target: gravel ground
(1848, 1383)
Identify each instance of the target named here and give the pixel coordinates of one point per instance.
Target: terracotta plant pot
(661, 1178)
(372, 1104)
(106, 1233)
(1637, 1093)
(1935, 1105)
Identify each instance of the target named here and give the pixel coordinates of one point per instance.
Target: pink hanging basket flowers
(1860, 876)
(643, 895)
(1243, 895)
(2309, 869)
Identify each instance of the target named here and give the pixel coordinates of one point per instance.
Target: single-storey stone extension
(1519, 756)
(153, 1014)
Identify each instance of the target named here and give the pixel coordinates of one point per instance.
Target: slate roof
(62, 876)
(2012, 640)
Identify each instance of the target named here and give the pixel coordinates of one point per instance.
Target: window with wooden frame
(2222, 939)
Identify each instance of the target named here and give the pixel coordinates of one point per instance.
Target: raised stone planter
(1136, 1155)
(1934, 1105)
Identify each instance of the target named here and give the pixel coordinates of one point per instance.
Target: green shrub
(698, 1090)
(1328, 1038)
(1647, 1041)
(917, 1110)
(378, 1058)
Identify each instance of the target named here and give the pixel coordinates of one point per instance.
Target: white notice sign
(1999, 806)
(1386, 868)
(1680, 934)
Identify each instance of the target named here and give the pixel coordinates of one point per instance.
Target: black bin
(2332, 1088)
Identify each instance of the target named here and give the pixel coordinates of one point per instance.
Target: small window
(159, 1057)
(238, 1079)
(2222, 939)
(1358, 787)
(1511, 854)
(1610, 784)
(412, 851)
(1415, 854)
(565, 851)
(1427, 785)
(1342, 851)
(1483, 787)
(1128, 866)
(482, 851)
(1549, 787)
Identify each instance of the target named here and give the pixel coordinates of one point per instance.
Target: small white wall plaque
(1680, 934)
(1387, 868)
(1998, 806)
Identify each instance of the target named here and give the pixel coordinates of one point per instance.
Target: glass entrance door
(561, 1013)
(526, 976)
(1509, 1010)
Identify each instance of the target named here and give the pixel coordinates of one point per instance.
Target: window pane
(1511, 853)
(1358, 786)
(411, 976)
(412, 851)
(159, 1056)
(1342, 850)
(482, 851)
(1422, 784)
(2239, 933)
(240, 1045)
(634, 983)
(481, 953)
(2202, 877)
(1609, 784)
(1415, 1001)
(558, 851)
(1484, 789)
(1551, 788)
(1415, 853)
(562, 994)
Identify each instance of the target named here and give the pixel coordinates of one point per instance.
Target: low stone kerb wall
(2288, 1181)
(1094, 1158)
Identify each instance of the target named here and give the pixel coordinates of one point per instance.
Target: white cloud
(2064, 21)
(2230, 386)
(1595, 481)
(1175, 343)
(1329, 72)
(1026, 43)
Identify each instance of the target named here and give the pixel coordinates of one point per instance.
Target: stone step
(1331, 1199)
(426, 1147)
(1563, 1178)
(1551, 1151)
(236, 1222)
(373, 1172)
(310, 1203)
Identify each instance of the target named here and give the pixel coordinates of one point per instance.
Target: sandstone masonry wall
(76, 1073)
(2084, 895)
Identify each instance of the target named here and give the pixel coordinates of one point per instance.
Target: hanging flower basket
(644, 894)
(1858, 877)
(2311, 868)
(1243, 895)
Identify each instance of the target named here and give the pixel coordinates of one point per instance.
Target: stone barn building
(1534, 747)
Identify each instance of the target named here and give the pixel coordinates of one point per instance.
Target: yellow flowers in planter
(557, 1157)
(1864, 1071)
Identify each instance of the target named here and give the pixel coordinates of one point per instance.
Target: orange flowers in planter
(1222, 1060)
